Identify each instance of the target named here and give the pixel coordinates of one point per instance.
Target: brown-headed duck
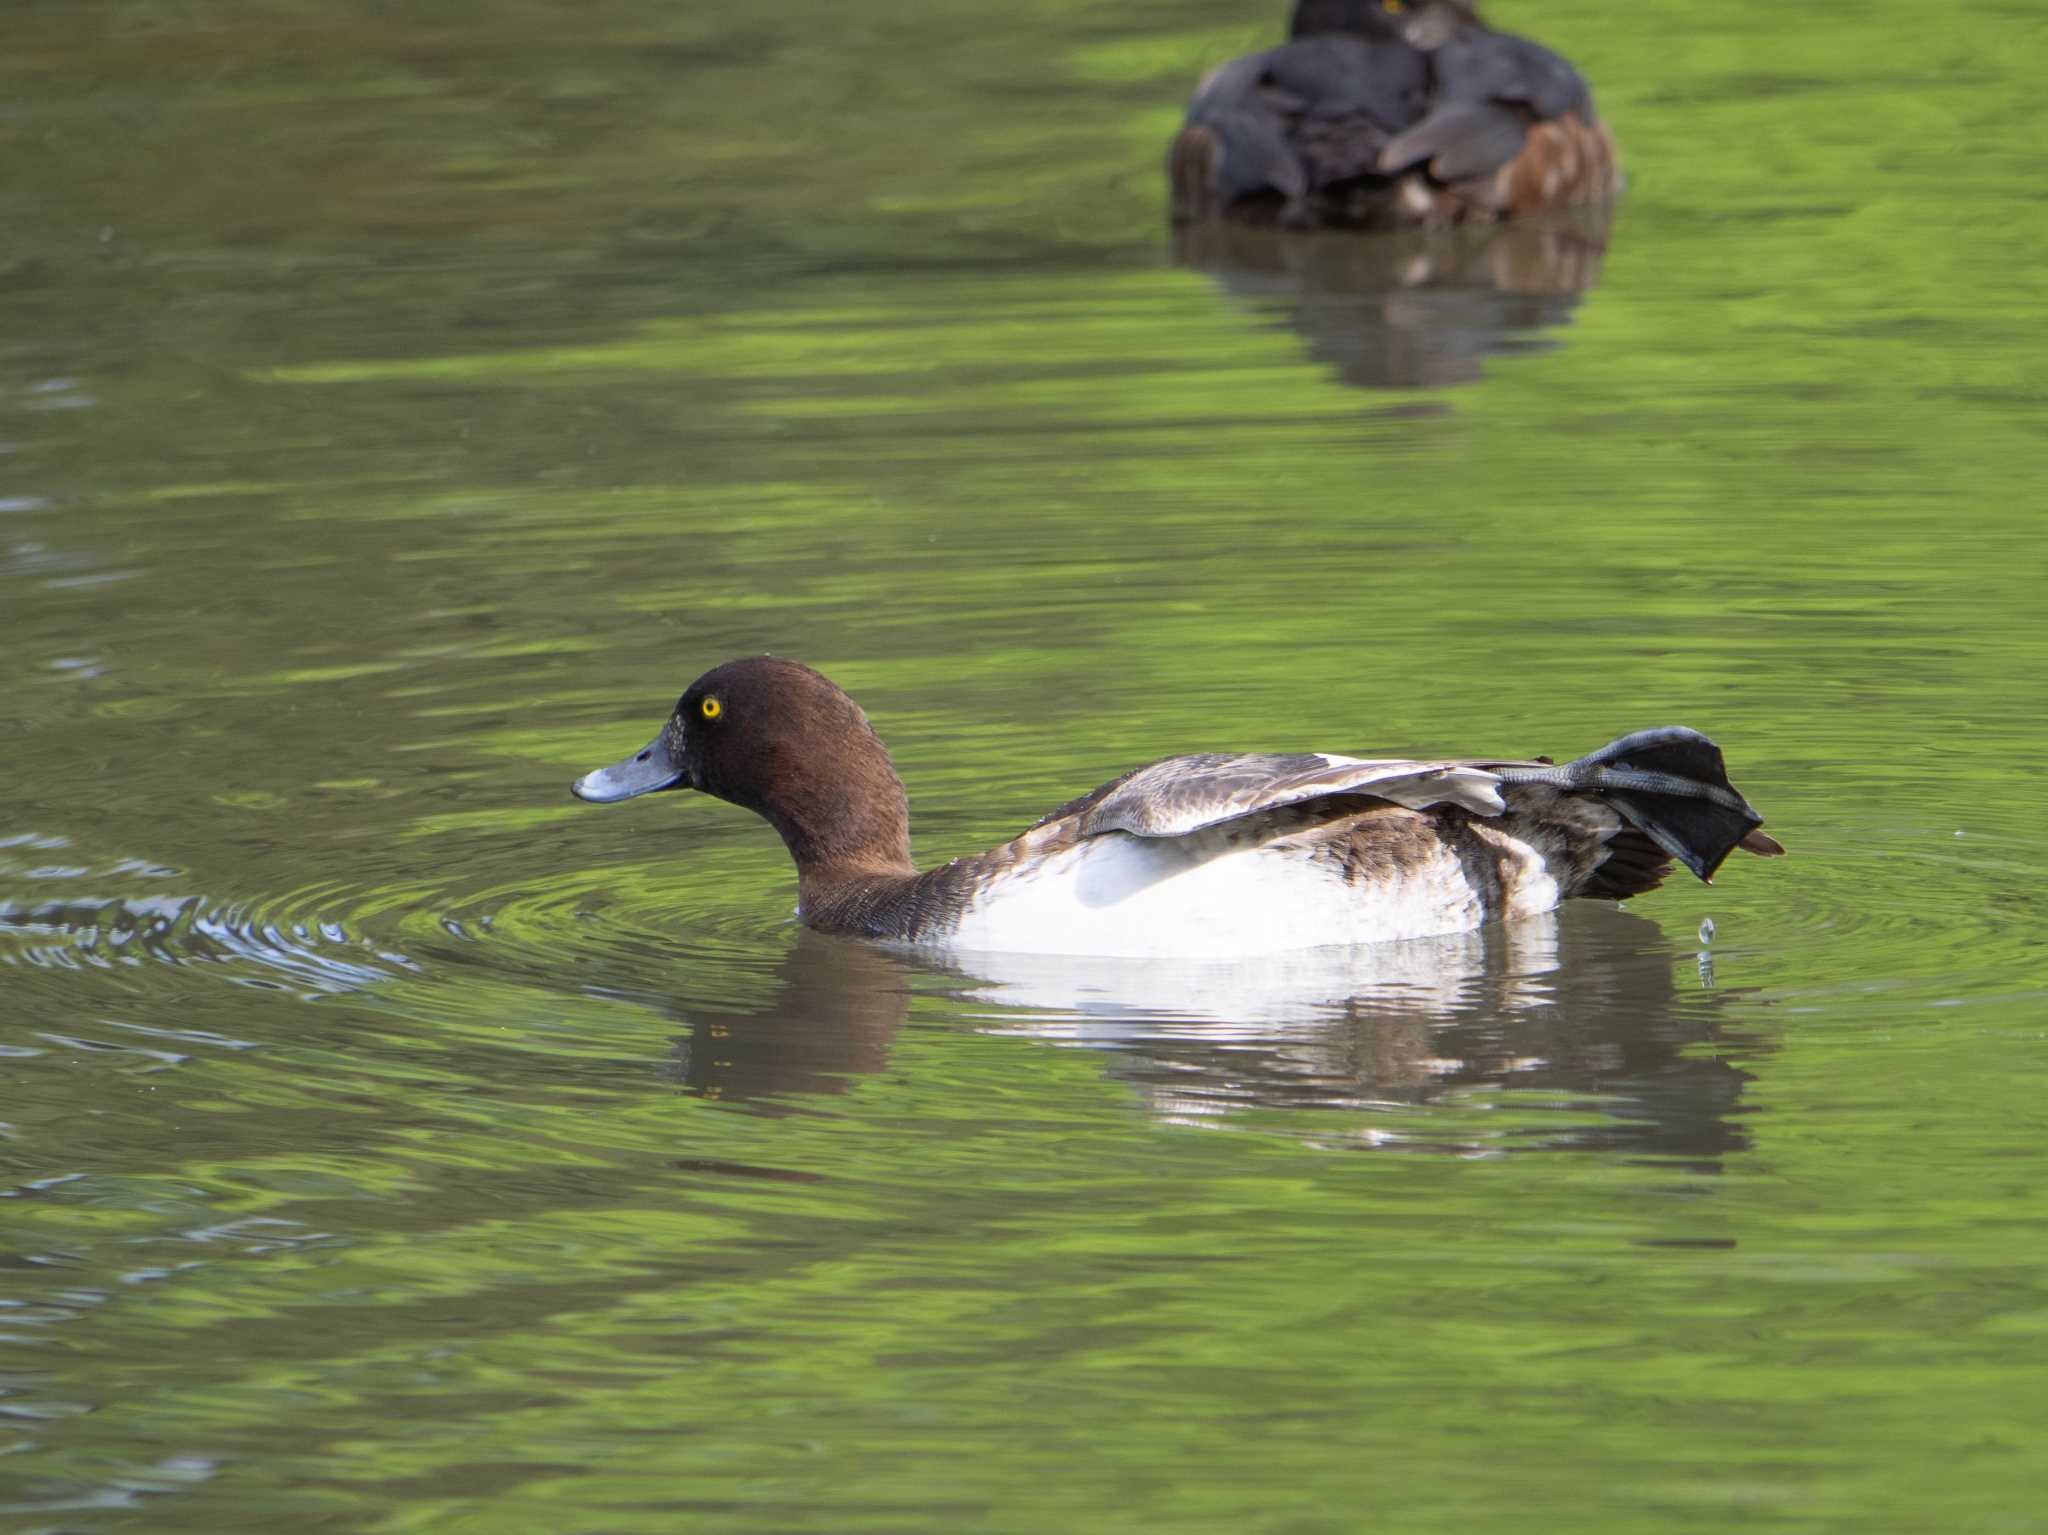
(1207, 856)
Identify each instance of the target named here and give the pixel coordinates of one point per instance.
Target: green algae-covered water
(399, 405)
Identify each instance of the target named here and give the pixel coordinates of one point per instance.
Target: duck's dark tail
(1670, 785)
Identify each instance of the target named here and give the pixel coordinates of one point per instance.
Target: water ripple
(601, 930)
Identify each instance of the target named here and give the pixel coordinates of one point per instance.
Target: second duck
(1379, 114)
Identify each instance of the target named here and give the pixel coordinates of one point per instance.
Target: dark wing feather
(1332, 77)
(1302, 115)
(1243, 122)
(1458, 141)
(1185, 794)
(1478, 65)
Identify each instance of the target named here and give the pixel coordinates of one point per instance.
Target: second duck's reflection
(1405, 311)
(1576, 1020)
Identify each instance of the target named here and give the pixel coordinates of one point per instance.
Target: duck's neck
(829, 887)
(846, 832)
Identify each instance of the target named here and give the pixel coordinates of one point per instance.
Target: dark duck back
(1380, 115)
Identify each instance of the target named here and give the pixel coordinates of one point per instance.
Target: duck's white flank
(1111, 999)
(1217, 894)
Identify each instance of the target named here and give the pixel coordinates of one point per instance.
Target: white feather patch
(1207, 895)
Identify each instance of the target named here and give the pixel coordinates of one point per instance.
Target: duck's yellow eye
(711, 708)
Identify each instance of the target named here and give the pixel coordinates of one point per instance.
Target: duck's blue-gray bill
(642, 773)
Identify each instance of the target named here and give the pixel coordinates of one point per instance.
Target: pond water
(399, 405)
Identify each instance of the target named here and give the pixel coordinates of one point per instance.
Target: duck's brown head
(781, 740)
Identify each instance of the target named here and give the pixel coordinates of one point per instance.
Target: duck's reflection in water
(833, 1013)
(1403, 311)
(1576, 1020)
(1540, 1032)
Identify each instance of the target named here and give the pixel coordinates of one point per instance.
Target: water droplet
(1707, 930)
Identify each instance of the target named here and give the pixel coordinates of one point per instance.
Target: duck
(1214, 856)
(1390, 114)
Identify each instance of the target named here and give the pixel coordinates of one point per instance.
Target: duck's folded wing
(1498, 66)
(1459, 141)
(1491, 87)
(1185, 794)
(1340, 77)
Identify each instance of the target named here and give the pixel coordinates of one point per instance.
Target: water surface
(399, 408)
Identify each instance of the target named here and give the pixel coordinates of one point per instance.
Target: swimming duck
(1385, 114)
(1208, 856)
